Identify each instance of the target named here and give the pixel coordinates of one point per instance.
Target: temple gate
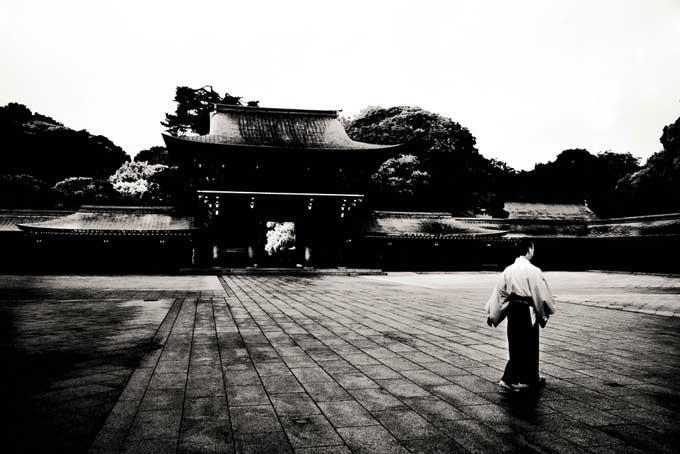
(277, 187)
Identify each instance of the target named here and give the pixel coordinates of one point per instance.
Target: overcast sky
(528, 78)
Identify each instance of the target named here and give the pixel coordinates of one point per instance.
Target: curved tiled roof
(417, 225)
(566, 211)
(427, 225)
(9, 219)
(264, 128)
(652, 225)
(108, 220)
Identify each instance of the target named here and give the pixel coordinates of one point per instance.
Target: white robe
(525, 280)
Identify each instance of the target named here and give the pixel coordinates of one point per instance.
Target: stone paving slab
(400, 363)
(74, 350)
(335, 364)
(642, 293)
(110, 282)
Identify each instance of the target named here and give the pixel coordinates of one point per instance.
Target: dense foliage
(133, 180)
(192, 112)
(460, 179)
(37, 145)
(76, 191)
(655, 188)
(448, 173)
(280, 237)
(24, 191)
(45, 164)
(576, 176)
(400, 181)
(153, 155)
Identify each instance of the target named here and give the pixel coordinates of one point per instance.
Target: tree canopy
(400, 182)
(654, 187)
(37, 145)
(132, 180)
(192, 112)
(576, 176)
(24, 191)
(460, 178)
(153, 155)
(143, 183)
(45, 163)
(76, 191)
(424, 132)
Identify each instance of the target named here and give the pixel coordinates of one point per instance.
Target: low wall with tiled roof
(10, 219)
(114, 220)
(421, 225)
(636, 226)
(410, 224)
(557, 211)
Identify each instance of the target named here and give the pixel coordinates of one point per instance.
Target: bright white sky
(528, 78)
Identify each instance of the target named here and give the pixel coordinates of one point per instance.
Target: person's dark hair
(522, 246)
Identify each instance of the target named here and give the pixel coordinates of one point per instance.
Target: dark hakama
(523, 345)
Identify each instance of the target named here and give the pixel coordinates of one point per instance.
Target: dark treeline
(443, 170)
(38, 152)
(46, 164)
(40, 146)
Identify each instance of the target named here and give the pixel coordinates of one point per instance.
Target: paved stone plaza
(333, 364)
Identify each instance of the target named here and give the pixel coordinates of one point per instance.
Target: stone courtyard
(332, 364)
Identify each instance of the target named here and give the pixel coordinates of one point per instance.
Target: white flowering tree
(132, 179)
(280, 237)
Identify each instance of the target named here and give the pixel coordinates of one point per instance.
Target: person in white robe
(523, 296)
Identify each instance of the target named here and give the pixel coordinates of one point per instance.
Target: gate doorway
(278, 230)
(280, 244)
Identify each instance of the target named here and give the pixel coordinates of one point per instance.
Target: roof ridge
(275, 110)
(33, 212)
(152, 209)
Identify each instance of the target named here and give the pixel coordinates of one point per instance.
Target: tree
(566, 179)
(132, 181)
(139, 182)
(576, 176)
(76, 191)
(192, 113)
(172, 186)
(424, 132)
(153, 155)
(280, 237)
(37, 145)
(399, 181)
(654, 187)
(670, 138)
(18, 113)
(461, 179)
(24, 191)
(611, 168)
